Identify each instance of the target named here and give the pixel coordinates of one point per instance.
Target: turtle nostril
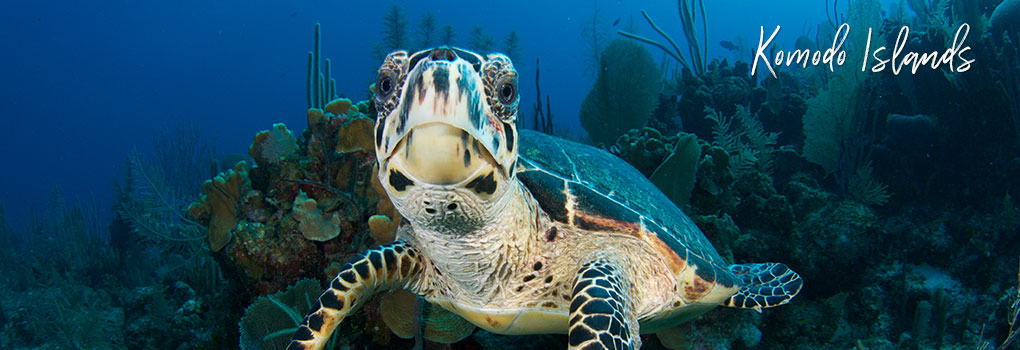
(443, 54)
(451, 206)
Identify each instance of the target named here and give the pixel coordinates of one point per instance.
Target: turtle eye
(507, 90)
(385, 83)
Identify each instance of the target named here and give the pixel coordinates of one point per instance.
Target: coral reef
(321, 193)
(541, 120)
(274, 145)
(320, 87)
(218, 207)
(644, 148)
(314, 224)
(688, 17)
(269, 322)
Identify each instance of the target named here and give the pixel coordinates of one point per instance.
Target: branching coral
(512, 45)
(480, 40)
(158, 188)
(594, 35)
(744, 138)
(73, 316)
(841, 123)
(687, 20)
(448, 35)
(865, 188)
(426, 30)
(624, 94)
(320, 87)
(542, 119)
(394, 26)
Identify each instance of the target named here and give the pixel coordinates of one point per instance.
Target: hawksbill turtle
(523, 233)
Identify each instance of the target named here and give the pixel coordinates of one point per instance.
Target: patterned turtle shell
(594, 190)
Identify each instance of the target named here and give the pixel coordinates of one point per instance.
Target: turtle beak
(443, 131)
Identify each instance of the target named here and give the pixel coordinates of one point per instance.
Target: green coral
(833, 116)
(744, 138)
(675, 176)
(320, 88)
(269, 322)
(625, 92)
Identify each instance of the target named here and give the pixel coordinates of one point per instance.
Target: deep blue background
(82, 83)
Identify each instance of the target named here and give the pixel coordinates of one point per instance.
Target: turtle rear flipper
(764, 285)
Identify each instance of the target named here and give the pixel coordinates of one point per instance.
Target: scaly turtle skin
(526, 233)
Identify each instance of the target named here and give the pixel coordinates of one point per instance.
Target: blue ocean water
(916, 213)
(125, 70)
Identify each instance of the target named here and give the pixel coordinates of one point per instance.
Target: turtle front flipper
(389, 266)
(764, 285)
(599, 316)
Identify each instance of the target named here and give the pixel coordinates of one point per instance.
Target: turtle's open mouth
(441, 154)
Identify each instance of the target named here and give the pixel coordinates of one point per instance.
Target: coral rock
(220, 201)
(338, 106)
(315, 117)
(315, 225)
(273, 146)
(356, 135)
(383, 228)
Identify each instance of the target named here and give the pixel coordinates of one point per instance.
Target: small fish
(617, 21)
(729, 45)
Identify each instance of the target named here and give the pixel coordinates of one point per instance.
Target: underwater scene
(582, 174)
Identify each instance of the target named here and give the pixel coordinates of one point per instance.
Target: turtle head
(445, 136)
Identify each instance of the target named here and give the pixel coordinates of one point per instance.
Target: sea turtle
(523, 233)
